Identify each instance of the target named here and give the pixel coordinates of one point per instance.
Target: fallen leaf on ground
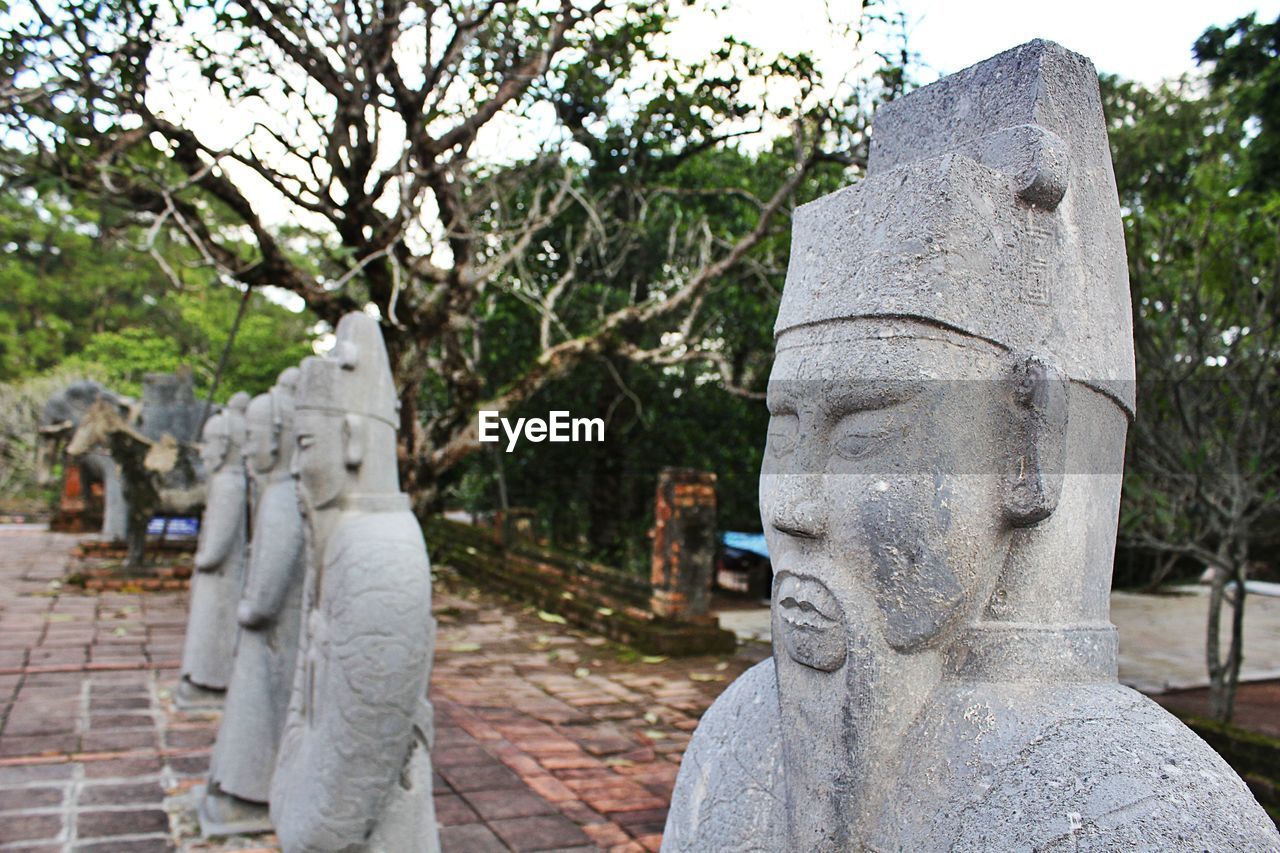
(653, 658)
(581, 672)
(465, 647)
(552, 617)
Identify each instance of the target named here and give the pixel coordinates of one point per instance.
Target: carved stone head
(346, 417)
(262, 435)
(269, 425)
(221, 441)
(953, 375)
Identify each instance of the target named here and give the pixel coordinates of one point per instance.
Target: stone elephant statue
(58, 423)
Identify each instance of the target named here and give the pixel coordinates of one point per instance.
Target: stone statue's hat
(354, 378)
(990, 208)
(284, 396)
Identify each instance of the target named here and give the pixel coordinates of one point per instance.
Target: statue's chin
(811, 621)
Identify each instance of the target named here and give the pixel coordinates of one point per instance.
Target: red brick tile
(470, 838)
(91, 825)
(550, 788)
(452, 810)
(606, 834)
(511, 803)
(23, 799)
(651, 843)
(30, 827)
(545, 832)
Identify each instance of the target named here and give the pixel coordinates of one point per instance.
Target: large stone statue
(209, 648)
(244, 755)
(354, 771)
(949, 400)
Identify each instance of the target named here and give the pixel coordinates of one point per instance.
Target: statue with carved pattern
(949, 400)
(354, 769)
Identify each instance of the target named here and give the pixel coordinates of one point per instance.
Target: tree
(363, 123)
(1204, 262)
(81, 291)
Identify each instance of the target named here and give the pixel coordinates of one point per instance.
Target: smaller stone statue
(244, 755)
(209, 649)
(354, 771)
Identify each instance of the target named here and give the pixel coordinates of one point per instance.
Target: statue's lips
(807, 604)
(812, 622)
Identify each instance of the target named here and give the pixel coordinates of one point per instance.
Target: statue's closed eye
(860, 434)
(783, 429)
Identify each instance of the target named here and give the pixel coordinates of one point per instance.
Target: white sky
(1146, 41)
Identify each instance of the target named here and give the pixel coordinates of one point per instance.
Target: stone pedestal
(684, 543)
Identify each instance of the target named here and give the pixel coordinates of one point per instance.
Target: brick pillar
(684, 543)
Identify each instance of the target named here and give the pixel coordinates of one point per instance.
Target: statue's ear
(1038, 438)
(353, 438)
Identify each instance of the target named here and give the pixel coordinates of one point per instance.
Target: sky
(1147, 41)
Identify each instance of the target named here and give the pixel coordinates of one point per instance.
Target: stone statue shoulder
(390, 543)
(1110, 770)
(729, 794)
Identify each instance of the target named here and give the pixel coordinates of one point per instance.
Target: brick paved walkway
(547, 738)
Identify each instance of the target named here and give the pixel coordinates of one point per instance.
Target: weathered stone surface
(940, 489)
(269, 614)
(209, 648)
(354, 770)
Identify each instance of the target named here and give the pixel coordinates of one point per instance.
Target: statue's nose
(799, 509)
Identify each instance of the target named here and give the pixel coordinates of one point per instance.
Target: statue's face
(319, 457)
(260, 442)
(214, 445)
(881, 492)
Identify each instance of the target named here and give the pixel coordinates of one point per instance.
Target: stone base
(222, 814)
(193, 697)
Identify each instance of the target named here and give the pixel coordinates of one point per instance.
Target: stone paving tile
(547, 738)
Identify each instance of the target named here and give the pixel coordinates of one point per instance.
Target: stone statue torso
(354, 770)
(961, 784)
(258, 697)
(209, 648)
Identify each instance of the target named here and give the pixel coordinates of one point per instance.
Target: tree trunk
(1235, 656)
(1213, 656)
(1224, 674)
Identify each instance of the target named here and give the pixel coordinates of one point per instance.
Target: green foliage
(191, 328)
(1244, 63)
(1202, 211)
(82, 294)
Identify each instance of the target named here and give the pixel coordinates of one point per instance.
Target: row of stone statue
(950, 396)
(310, 619)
